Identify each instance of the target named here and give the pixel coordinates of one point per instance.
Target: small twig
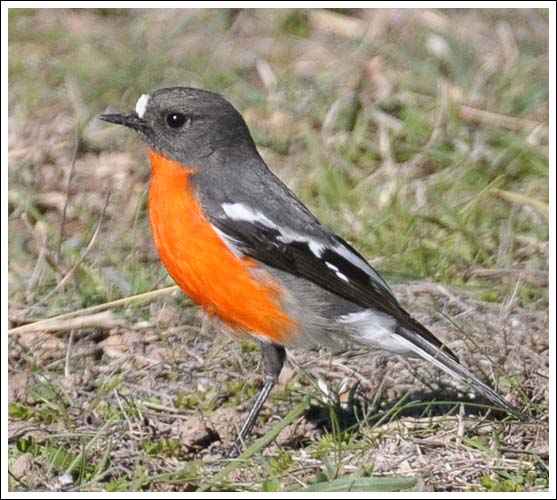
(268, 78)
(436, 134)
(521, 199)
(339, 24)
(483, 116)
(376, 401)
(476, 115)
(38, 271)
(104, 320)
(46, 323)
(67, 196)
(464, 334)
(69, 274)
(331, 115)
(124, 413)
(452, 298)
(163, 408)
(18, 480)
(542, 455)
(461, 424)
(67, 366)
(510, 52)
(505, 312)
(43, 258)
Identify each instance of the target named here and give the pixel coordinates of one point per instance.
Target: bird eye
(176, 120)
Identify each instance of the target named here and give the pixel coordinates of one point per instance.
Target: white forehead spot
(141, 105)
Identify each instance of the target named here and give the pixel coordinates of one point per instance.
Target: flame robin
(239, 243)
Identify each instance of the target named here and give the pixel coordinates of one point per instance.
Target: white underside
(377, 330)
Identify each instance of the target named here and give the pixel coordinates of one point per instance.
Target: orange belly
(202, 265)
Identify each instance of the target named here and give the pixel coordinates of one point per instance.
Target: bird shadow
(360, 412)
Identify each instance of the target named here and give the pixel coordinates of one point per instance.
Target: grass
(423, 143)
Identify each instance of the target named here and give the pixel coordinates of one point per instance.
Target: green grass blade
(363, 484)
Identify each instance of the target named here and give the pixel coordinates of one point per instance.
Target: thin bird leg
(272, 358)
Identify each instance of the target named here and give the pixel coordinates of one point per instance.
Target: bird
(240, 243)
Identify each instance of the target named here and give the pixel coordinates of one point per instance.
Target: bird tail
(447, 362)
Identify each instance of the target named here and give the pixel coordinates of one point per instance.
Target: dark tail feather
(449, 364)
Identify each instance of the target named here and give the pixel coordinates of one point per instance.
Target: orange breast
(202, 265)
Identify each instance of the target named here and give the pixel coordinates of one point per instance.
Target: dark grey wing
(329, 262)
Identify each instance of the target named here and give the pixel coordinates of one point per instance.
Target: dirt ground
(148, 370)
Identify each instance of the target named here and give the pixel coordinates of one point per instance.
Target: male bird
(238, 242)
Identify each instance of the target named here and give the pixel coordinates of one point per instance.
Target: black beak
(130, 120)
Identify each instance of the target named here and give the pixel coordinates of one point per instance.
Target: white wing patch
(378, 330)
(239, 211)
(141, 105)
(337, 272)
(242, 212)
(360, 263)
